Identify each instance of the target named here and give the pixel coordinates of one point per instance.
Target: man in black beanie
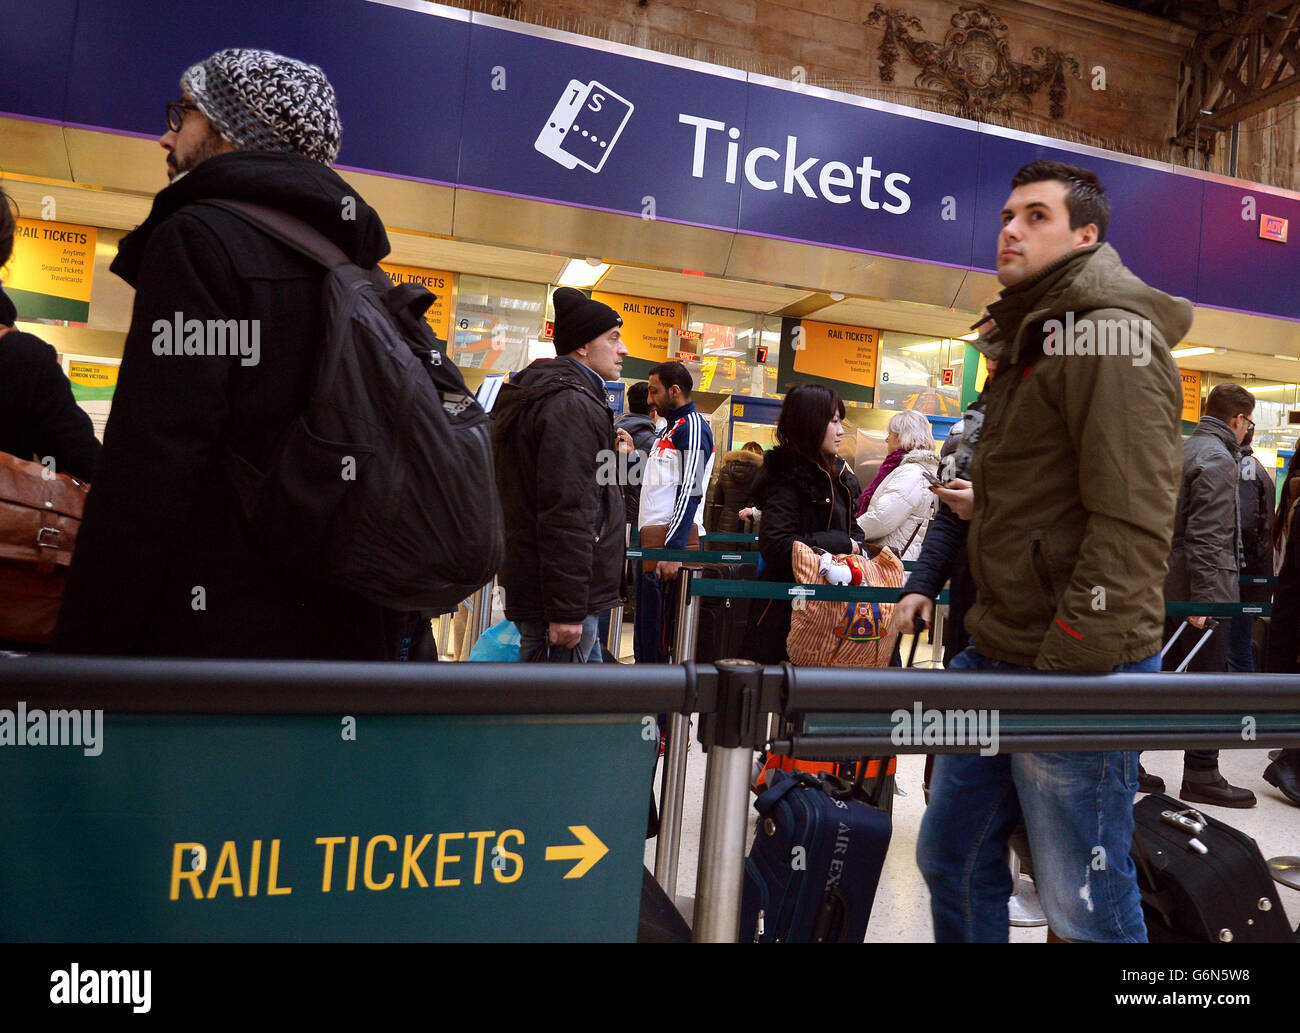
(554, 435)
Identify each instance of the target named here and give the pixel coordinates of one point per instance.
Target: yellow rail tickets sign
(646, 323)
(837, 352)
(51, 270)
(438, 315)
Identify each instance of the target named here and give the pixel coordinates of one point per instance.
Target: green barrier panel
(716, 588)
(691, 556)
(1251, 579)
(1218, 609)
(845, 593)
(307, 828)
(730, 536)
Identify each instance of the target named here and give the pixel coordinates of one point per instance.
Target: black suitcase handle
(833, 919)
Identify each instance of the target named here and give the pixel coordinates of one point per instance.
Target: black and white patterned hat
(262, 101)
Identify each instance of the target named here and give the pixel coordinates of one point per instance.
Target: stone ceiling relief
(972, 68)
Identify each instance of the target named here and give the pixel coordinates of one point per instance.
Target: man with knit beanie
(556, 465)
(165, 563)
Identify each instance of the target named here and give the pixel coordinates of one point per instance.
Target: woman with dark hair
(806, 493)
(1286, 505)
(1283, 654)
(39, 418)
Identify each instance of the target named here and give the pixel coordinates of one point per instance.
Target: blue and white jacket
(676, 475)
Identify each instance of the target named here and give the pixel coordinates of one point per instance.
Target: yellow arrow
(588, 851)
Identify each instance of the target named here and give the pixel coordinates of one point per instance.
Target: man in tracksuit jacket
(680, 464)
(1075, 479)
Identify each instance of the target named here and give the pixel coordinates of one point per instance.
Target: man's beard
(210, 147)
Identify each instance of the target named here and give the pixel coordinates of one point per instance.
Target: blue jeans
(1078, 811)
(1241, 657)
(534, 646)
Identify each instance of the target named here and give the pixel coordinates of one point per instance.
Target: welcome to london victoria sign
(499, 106)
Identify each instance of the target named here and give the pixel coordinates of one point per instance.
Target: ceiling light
(580, 272)
(1187, 353)
(836, 296)
(1288, 358)
(1274, 387)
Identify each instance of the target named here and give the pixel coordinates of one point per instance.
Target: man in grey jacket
(1205, 566)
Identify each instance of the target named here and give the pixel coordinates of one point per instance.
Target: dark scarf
(886, 468)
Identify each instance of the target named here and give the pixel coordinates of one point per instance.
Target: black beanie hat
(578, 319)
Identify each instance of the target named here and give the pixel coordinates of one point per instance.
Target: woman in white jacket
(902, 504)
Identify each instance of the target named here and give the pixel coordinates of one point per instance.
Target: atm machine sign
(1272, 227)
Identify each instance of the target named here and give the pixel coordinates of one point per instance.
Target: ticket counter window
(911, 373)
(725, 355)
(494, 322)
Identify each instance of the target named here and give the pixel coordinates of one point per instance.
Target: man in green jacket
(1075, 483)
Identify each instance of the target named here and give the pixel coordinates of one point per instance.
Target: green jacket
(1077, 470)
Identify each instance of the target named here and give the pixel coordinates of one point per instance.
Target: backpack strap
(289, 230)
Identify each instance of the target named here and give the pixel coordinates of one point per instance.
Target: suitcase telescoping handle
(1209, 630)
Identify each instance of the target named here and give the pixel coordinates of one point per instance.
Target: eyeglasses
(176, 114)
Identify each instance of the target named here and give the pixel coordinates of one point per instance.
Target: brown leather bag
(654, 536)
(40, 513)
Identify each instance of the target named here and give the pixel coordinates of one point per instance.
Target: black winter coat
(943, 559)
(800, 501)
(642, 430)
(1255, 496)
(38, 415)
(556, 468)
(731, 491)
(1283, 655)
(165, 564)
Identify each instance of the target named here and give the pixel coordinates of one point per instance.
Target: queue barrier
(860, 738)
(93, 843)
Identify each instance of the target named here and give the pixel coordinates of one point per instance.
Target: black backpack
(384, 486)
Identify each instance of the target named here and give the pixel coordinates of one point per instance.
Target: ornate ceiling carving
(972, 68)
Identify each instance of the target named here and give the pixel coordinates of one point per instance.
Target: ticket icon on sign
(585, 125)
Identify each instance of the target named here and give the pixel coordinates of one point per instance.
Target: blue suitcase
(812, 873)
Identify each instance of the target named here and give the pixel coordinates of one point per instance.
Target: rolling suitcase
(1221, 895)
(812, 873)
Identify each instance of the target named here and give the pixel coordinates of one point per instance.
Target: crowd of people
(1069, 482)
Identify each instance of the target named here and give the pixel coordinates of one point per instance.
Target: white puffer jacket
(902, 504)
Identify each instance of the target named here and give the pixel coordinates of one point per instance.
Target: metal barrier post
(613, 643)
(726, 802)
(673, 787)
